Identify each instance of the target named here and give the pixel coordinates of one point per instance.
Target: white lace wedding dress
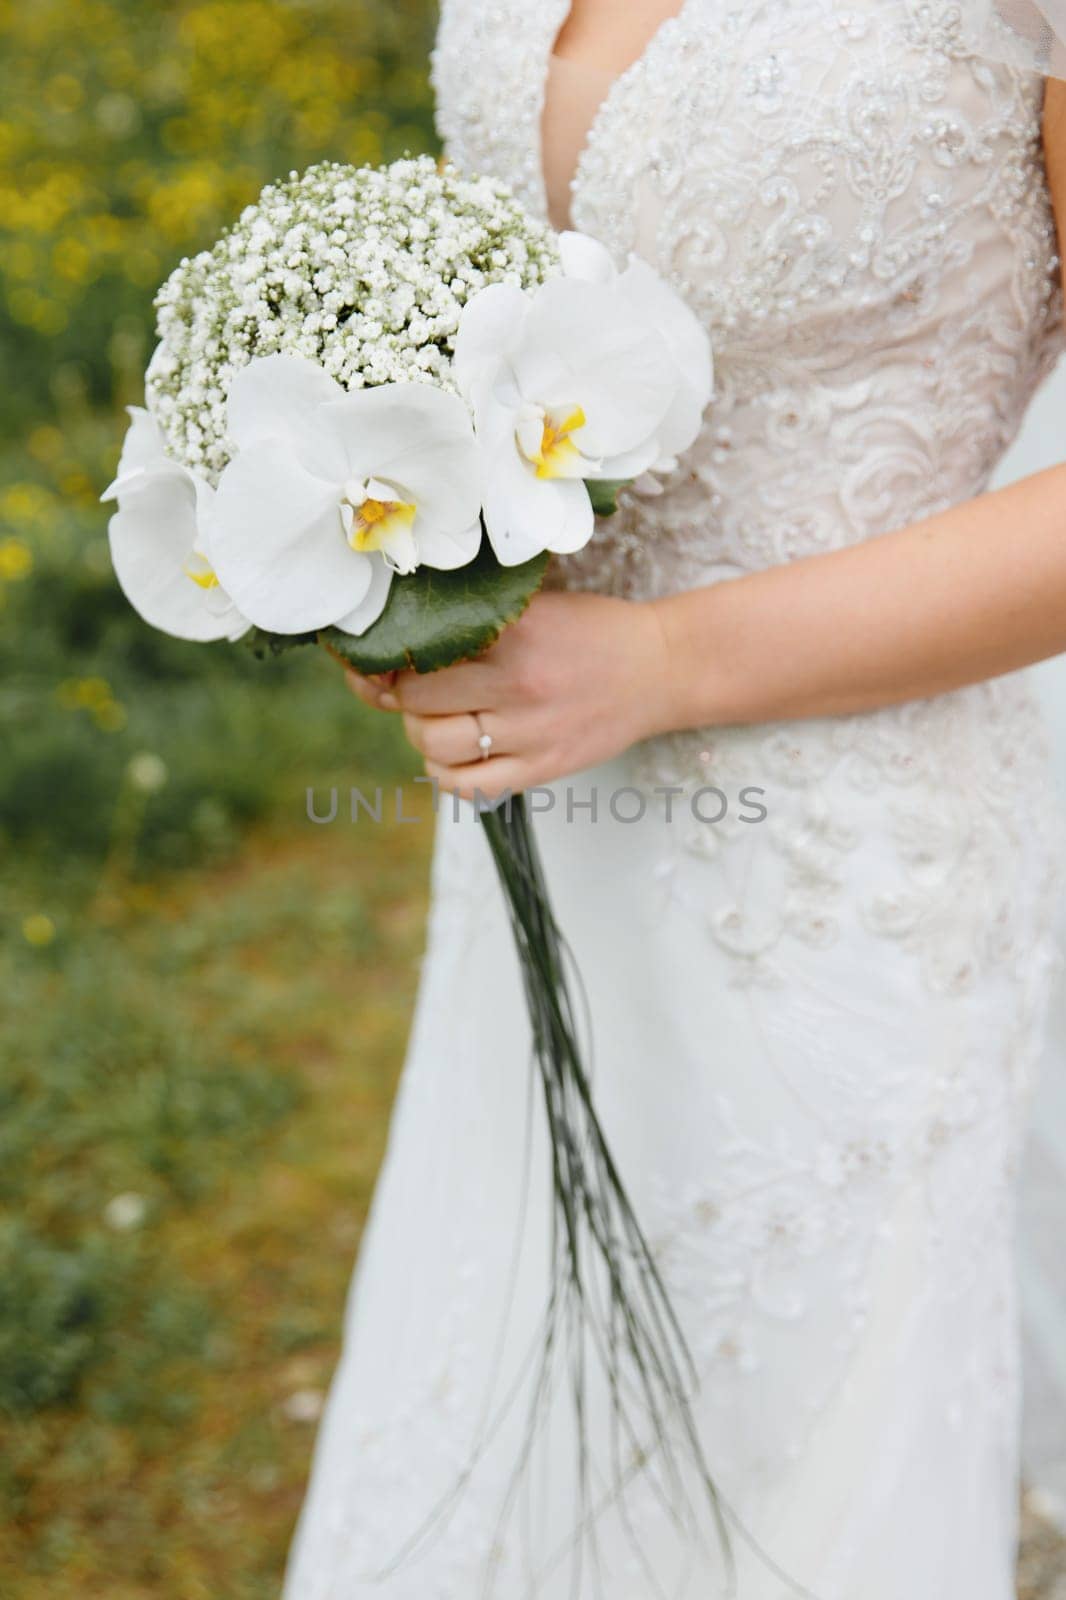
(814, 1033)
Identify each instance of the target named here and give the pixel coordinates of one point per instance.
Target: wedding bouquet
(377, 405)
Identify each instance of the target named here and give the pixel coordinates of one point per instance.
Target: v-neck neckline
(556, 21)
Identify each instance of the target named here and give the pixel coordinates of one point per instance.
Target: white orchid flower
(156, 538)
(654, 302)
(330, 493)
(576, 381)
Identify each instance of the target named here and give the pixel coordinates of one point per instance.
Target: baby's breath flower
(364, 270)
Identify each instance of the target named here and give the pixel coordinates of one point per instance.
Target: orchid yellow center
(200, 570)
(375, 520)
(375, 516)
(544, 437)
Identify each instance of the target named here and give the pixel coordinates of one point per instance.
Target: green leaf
(433, 619)
(604, 494)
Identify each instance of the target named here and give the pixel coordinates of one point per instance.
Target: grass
(190, 1138)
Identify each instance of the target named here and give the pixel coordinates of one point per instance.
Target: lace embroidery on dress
(871, 245)
(855, 203)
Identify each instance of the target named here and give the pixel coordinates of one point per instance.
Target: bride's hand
(577, 679)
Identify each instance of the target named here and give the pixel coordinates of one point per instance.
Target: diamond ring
(484, 742)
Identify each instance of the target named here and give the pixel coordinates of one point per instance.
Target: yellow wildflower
(38, 929)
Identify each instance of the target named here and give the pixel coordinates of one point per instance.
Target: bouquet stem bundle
(595, 1231)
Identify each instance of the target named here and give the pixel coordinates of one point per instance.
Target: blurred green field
(204, 997)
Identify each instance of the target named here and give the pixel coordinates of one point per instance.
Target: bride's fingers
(452, 741)
(372, 691)
(437, 694)
(481, 780)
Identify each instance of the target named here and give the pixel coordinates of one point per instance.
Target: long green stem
(596, 1228)
(595, 1235)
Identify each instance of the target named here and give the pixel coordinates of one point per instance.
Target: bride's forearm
(962, 596)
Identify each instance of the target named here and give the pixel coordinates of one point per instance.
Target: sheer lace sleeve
(1027, 33)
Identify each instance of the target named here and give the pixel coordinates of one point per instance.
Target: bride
(796, 816)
